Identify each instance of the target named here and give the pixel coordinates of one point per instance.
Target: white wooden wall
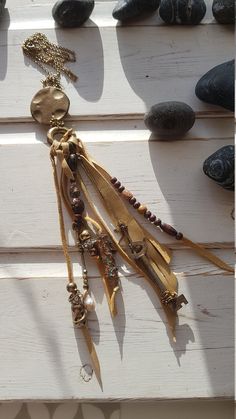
(122, 71)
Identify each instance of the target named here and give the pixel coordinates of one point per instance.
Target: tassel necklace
(70, 162)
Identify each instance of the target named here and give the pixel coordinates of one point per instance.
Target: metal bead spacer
(71, 287)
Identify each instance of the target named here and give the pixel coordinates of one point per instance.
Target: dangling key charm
(138, 252)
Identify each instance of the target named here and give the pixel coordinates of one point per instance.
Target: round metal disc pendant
(49, 103)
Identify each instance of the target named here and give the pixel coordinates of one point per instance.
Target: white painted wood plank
(166, 176)
(51, 264)
(38, 14)
(147, 65)
(114, 130)
(40, 358)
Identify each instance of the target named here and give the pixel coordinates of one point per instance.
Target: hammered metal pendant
(48, 104)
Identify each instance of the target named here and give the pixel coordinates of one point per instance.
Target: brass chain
(46, 54)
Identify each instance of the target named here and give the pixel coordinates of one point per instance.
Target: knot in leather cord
(61, 148)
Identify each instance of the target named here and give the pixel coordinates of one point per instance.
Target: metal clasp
(67, 134)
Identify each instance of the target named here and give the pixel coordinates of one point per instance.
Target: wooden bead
(127, 194)
(179, 236)
(157, 222)
(152, 218)
(113, 180)
(78, 222)
(137, 205)
(117, 184)
(147, 214)
(132, 200)
(142, 209)
(168, 229)
(121, 189)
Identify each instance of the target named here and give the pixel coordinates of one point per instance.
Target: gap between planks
(216, 114)
(119, 399)
(172, 246)
(47, 265)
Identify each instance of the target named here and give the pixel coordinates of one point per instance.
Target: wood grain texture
(135, 348)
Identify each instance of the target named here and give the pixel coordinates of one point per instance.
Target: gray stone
(217, 86)
(224, 11)
(2, 6)
(182, 12)
(170, 119)
(220, 167)
(72, 13)
(128, 9)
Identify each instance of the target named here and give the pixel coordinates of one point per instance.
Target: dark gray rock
(2, 5)
(220, 167)
(217, 86)
(128, 9)
(224, 11)
(72, 13)
(182, 12)
(170, 119)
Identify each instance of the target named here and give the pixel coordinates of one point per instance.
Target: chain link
(46, 54)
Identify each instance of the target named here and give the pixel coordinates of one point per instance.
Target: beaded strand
(143, 210)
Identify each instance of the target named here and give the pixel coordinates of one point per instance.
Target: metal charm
(49, 104)
(89, 243)
(78, 308)
(106, 250)
(138, 252)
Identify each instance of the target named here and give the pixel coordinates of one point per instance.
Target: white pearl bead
(89, 303)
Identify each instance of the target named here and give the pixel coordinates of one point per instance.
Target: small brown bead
(157, 222)
(72, 162)
(72, 147)
(74, 191)
(78, 220)
(74, 226)
(117, 184)
(137, 205)
(168, 229)
(71, 287)
(77, 206)
(113, 180)
(121, 189)
(127, 194)
(76, 201)
(147, 214)
(152, 218)
(142, 209)
(132, 200)
(179, 236)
